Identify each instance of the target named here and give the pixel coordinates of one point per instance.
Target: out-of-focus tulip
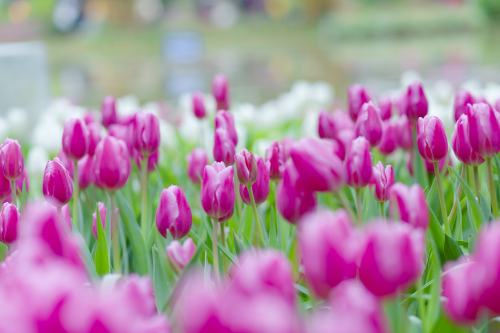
(152, 161)
(101, 208)
(126, 133)
(429, 166)
(359, 163)
(356, 97)
(66, 215)
(404, 130)
(385, 106)
(246, 167)
(390, 137)
(225, 120)
(414, 102)
(260, 188)
(147, 133)
(85, 172)
(111, 163)
(94, 137)
(220, 91)
(276, 157)
(199, 109)
(57, 184)
(173, 213)
(392, 257)
(320, 168)
(484, 129)
(431, 138)
(11, 159)
(382, 179)
(217, 191)
(460, 143)
(108, 111)
(5, 188)
(496, 106)
(369, 123)
(461, 102)
(67, 162)
(196, 161)
(23, 182)
(181, 254)
(330, 124)
(328, 249)
(224, 149)
(408, 204)
(75, 138)
(9, 221)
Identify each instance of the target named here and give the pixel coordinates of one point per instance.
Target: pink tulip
(260, 188)
(173, 213)
(85, 172)
(112, 163)
(11, 159)
(408, 204)
(328, 249)
(57, 184)
(147, 133)
(382, 179)
(196, 161)
(5, 188)
(385, 106)
(330, 124)
(390, 137)
(152, 161)
(94, 137)
(461, 102)
(181, 254)
(126, 133)
(66, 215)
(224, 148)
(359, 163)
(220, 91)
(246, 167)
(369, 124)
(276, 157)
(484, 126)
(101, 208)
(23, 182)
(225, 120)
(414, 101)
(431, 139)
(429, 166)
(67, 162)
(461, 145)
(199, 109)
(496, 106)
(75, 139)
(217, 191)
(404, 136)
(356, 97)
(9, 221)
(108, 111)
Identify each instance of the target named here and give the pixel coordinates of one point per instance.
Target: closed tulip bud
(408, 204)
(57, 184)
(462, 101)
(484, 127)
(383, 179)
(389, 142)
(111, 163)
(181, 254)
(260, 188)
(217, 191)
(94, 137)
(173, 213)
(246, 167)
(224, 149)
(331, 123)
(328, 249)
(9, 221)
(404, 135)
(199, 109)
(101, 208)
(75, 138)
(220, 91)
(5, 188)
(11, 159)
(359, 163)
(461, 145)
(293, 202)
(431, 139)
(356, 97)
(276, 157)
(385, 107)
(369, 124)
(225, 120)
(108, 111)
(196, 161)
(85, 172)
(321, 170)
(392, 257)
(414, 102)
(147, 133)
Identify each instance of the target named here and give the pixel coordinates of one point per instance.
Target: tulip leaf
(451, 249)
(101, 254)
(444, 324)
(159, 275)
(475, 213)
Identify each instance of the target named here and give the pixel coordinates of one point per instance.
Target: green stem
(442, 203)
(451, 216)
(491, 185)
(382, 210)
(215, 249)
(260, 232)
(344, 202)
(76, 193)
(144, 198)
(421, 303)
(359, 209)
(115, 236)
(414, 152)
(477, 183)
(238, 198)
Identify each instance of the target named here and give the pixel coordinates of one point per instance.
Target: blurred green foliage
(491, 8)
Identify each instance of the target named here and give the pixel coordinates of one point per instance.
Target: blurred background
(160, 49)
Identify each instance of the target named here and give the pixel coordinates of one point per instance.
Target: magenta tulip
(224, 148)
(173, 213)
(181, 254)
(276, 156)
(246, 167)
(199, 109)
(147, 131)
(75, 139)
(408, 204)
(196, 161)
(414, 101)
(431, 139)
(126, 133)
(225, 120)
(5, 188)
(462, 101)
(94, 137)
(383, 179)
(9, 221)
(369, 124)
(330, 124)
(220, 91)
(484, 129)
(359, 163)
(260, 188)
(108, 111)
(217, 191)
(11, 159)
(101, 209)
(85, 172)
(390, 137)
(57, 184)
(112, 163)
(356, 97)
(461, 145)
(404, 133)
(385, 107)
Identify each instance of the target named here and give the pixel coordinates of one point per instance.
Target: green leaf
(101, 254)
(474, 211)
(451, 249)
(444, 324)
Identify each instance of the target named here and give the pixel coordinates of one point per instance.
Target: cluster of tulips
(322, 234)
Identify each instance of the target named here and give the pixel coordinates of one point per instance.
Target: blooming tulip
(246, 167)
(484, 129)
(196, 161)
(409, 205)
(431, 139)
(359, 163)
(147, 131)
(112, 163)
(356, 97)
(173, 213)
(85, 171)
(101, 209)
(181, 254)
(225, 120)
(369, 124)
(260, 188)
(414, 102)
(199, 109)
(108, 111)
(220, 91)
(224, 149)
(75, 139)
(217, 191)
(460, 143)
(390, 138)
(461, 102)
(382, 179)
(11, 159)
(9, 220)
(57, 184)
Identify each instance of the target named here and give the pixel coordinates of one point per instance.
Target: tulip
(382, 179)
(66, 215)
(11, 159)
(404, 133)
(224, 149)
(291, 201)
(246, 167)
(276, 157)
(9, 221)
(173, 213)
(152, 160)
(328, 249)
(431, 138)
(67, 162)
(23, 182)
(75, 139)
(147, 131)
(94, 137)
(5, 188)
(126, 133)
(461, 145)
(225, 120)
(320, 168)
(111, 164)
(57, 184)
(217, 191)
(220, 91)
(85, 172)
(392, 257)
(462, 101)
(496, 106)
(408, 204)
(356, 97)
(369, 124)
(330, 124)
(385, 106)
(181, 254)
(260, 188)
(484, 127)
(390, 138)
(414, 102)
(359, 163)
(196, 161)
(101, 208)
(199, 109)
(442, 163)
(108, 111)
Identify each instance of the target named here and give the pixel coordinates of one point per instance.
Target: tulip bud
(220, 91)
(462, 101)
(5, 188)
(85, 171)
(431, 139)
(408, 204)
(484, 129)
(108, 111)
(392, 257)
(94, 137)
(404, 133)
(260, 188)
(461, 145)
(196, 161)
(293, 202)
(75, 138)
(369, 124)
(356, 97)
(147, 133)
(199, 109)
(217, 191)
(173, 213)
(328, 249)
(57, 184)
(414, 102)
(224, 149)
(9, 221)
(320, 168)
(246, 167)
(180, 255)
(101, 208)
(389, 142)
(111, 163)
(225, 120)
(385, 107)
(331, 123)
(11, 158)
(67, 162)
(276, 157)
(383, 179)
(359, 163)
